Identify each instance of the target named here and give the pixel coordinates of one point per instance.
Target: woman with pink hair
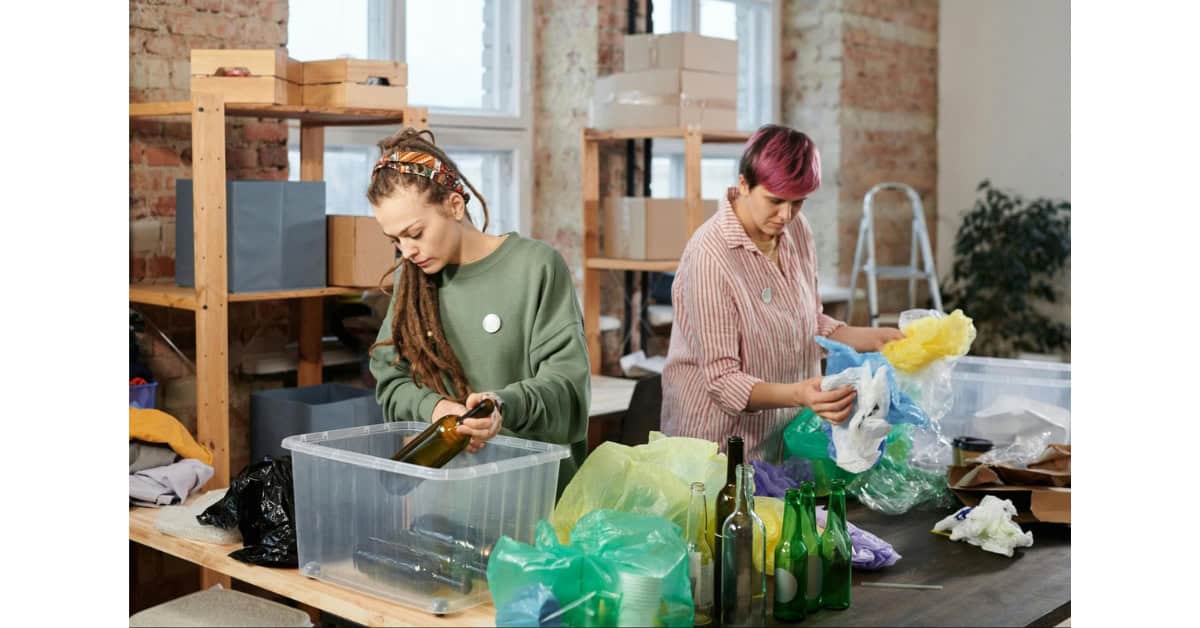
(742, 358)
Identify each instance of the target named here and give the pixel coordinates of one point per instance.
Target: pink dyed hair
(783, 160)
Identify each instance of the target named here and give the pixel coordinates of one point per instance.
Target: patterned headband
(422, 165)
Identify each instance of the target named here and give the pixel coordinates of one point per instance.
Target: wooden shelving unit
(210, 297)
(593, 264)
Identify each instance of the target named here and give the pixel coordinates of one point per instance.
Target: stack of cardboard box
(670, 81)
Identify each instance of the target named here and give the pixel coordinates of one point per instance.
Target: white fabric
(988, 525)
(856, 441)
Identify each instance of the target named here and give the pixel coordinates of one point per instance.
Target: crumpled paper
(989, 526)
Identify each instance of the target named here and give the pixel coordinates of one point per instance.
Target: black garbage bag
(260, 504)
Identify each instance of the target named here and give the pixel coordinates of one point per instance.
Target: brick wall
(161, 35)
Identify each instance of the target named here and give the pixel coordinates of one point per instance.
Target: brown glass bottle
(441, 442)
(726, 502)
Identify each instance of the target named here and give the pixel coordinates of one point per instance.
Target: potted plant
(1006, 255)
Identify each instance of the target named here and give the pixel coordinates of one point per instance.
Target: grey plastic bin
(275, 237)
(277, 414)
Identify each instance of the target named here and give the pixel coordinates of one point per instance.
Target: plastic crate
(980, 383)
(142, 395)
(349, 494)
(277, 414)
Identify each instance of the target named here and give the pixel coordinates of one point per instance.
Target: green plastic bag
(651, 479)
(608, 549)
(893, 486)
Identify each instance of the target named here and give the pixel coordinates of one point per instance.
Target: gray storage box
(277, 414)
(275, 237)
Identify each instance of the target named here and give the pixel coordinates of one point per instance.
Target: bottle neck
(697, 513)
(791, 519)
(745, 489)
(735, 459)
(808, 513)
(837, 510)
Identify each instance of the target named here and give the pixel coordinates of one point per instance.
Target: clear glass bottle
(808, 532)
(726, 501)
(700, 556)
(791, 563)
(836, 552)
(441, 442)
(744, 559)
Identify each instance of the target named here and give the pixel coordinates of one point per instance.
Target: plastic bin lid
(220, 607)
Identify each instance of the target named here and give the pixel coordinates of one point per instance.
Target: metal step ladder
(866, 241)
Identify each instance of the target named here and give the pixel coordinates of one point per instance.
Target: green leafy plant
(1006, 255)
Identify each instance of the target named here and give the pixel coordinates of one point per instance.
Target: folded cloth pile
(157, 476)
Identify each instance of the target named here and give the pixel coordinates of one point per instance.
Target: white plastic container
(350, 495)
(1041, 389)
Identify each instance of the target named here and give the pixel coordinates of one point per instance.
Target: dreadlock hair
(417, 333)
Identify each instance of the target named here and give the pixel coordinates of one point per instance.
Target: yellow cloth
(156, 426)
(929, 339)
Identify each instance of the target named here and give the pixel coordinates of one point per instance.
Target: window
(749, 22)
(477, 111)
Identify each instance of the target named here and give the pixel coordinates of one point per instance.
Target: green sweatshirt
(536, 362)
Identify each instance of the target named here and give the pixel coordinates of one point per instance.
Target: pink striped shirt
(739, 319)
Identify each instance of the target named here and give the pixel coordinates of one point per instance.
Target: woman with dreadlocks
(473, 315)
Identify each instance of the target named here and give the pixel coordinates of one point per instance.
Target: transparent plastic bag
(614, 558)
(651, 479)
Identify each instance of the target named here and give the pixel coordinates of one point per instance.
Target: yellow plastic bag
(930, 338)
(770, 510)
(650, 479)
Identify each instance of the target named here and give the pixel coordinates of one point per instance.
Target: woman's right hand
(833, 406)
(445, 407)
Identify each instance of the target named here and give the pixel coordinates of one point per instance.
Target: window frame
(459, 130)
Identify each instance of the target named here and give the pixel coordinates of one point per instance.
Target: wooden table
(980, 588)
(353, 606)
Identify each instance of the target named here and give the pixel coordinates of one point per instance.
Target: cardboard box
(275, 235)
(648, 228)
(1034, 503)
(665, 99)
(359, 252)
(364, 83)
(681, 51)
(270, 76)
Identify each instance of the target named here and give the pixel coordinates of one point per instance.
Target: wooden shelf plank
(330, 116)
(609, 263)
(185, 298)
(163, 294)
(295, 294)
(352, 605)
(711, 136)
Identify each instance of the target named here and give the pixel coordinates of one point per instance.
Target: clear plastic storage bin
(412, 534)
(983, 384)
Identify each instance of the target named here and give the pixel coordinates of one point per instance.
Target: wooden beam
(691, 178)
(212, 312)
(168, 295)
(591, 247)
(312, 168)
(612, 263)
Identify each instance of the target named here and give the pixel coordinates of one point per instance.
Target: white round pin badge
(491, 323)
(766, 295)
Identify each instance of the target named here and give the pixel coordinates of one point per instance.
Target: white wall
(1004, 108)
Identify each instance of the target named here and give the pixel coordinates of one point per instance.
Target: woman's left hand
(481, 429)
(866, 339)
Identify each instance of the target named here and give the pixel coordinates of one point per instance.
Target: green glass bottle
(808, 533)
(791, 563)
(726, 500)
(700, 557)
(744, 559)
(836, 552)
(440, 442)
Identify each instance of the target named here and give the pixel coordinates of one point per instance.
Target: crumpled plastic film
(929, 335)
(585, 579)
(893, 486)
(989, 526)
